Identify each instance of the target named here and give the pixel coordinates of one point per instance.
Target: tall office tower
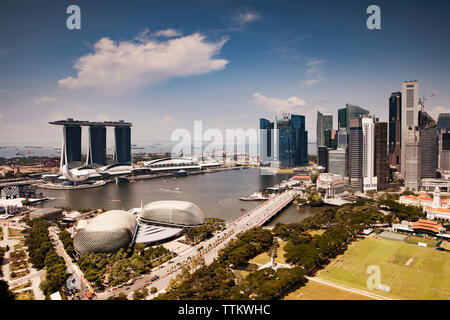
(266, 141)
(369, 178)
(428, 155)
(292, 141)
(342, 138)
(331, 138)
(410, 135)
(122, 135)
(355, 154)
(71, 148)
(342, 118)
(324, 122)
(395, 130)
(97, 145)
(322, 157)
(354, 112)
(381, 155)
(336, 162)
(443, 127)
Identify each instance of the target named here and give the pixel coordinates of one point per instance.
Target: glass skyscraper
(324, 123)
(293, 141)
(123, 144)
(72, 145)
(97, 145)
(266, 141)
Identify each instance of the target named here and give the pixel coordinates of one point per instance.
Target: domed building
(107, 232)
(172, 213)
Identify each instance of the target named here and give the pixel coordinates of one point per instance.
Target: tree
(315, 200)
(120, 296)
(153, 290)
(140, 294)
(5, 294)
(371, 193)
(314, 177)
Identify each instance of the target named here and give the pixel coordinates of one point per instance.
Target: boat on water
(257, 196)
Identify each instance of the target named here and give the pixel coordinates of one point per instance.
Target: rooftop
(71, 122)
(428, 225)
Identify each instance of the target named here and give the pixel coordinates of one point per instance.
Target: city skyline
(317, 61)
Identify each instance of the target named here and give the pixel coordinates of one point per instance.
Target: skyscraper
(368, 154)
(122, 137)
(443, 127)
(97, 145)
(381, 155)
(292, 141)
(355, 154)
(395, 130)
(429, 150)
(331, 138)
(266, 144)
(71, 149)
(342, 118)
(410, 135)
(342, 138)
(353, 112)
(322, 157)
(324, 122)
(336, 162)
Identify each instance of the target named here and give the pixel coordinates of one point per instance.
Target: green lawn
(280, 252)
(14, 233)
(411, 271)
(316, 232)
(262, 258)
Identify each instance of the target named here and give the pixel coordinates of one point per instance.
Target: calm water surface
(217, 194)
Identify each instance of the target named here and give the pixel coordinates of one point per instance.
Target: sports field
(318, 291)
(412, 272)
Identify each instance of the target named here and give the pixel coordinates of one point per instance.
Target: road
(208, 249)
(72, 268)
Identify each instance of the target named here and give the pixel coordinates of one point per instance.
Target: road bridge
(209, 249)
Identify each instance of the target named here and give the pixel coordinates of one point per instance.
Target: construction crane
(423, 99)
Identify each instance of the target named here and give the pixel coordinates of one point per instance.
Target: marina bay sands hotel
(96, 156)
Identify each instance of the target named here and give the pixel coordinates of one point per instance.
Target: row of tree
(42, 254)
(121, 266)
(205, 231)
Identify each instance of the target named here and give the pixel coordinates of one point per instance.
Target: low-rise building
(437, 213)
(46, 213)
(331, 183)
(424, 200)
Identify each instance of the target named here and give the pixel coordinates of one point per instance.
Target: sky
(164, 64)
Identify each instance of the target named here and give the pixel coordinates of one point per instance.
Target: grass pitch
(411, 271)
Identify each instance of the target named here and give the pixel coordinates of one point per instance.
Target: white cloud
(314, 72)
(44, 99)
(435, 111)
(126, 64)
(292, 105)
(288, 105)
(243, 18)
(168, 33)
(246, 17)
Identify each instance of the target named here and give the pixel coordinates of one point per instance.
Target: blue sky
(164, 64)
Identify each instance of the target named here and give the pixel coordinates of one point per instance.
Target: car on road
(154, 278)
